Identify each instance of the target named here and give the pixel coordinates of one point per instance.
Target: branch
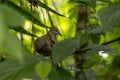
(82, 50)
(51, 21)
(111, 41)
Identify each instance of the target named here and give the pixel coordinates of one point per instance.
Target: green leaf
(91, 61)
(13, 70)
(90, 74)
(43, 69)
(96, 48)
(99, 30)
(60, 74)
(9, 43)
(22, 30)
(25, 14)
(107, 1)
(63, 49)
(14, 22)
(95, 38)
(11, 17)
(109, 16)
(91, 3)
(49, 9)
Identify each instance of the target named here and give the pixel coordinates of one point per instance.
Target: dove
(45, 43)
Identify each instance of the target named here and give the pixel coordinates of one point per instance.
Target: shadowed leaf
(64, 48)
(60, 74)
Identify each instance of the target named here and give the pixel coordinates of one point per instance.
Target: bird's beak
(59, 34)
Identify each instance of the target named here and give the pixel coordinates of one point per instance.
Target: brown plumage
(44, 44)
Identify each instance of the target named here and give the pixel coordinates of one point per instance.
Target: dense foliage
(88, 49)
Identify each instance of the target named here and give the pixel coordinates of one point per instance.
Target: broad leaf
(9, 43)
(90, 74)
(13, 70)
(60, 74)
(43, 69)
(96, 48)
(14, 22)
(64, 48)
(99, 30)
(109, 16)
(11, 17)
(25, 14)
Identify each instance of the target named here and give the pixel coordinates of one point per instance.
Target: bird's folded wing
(40, 43)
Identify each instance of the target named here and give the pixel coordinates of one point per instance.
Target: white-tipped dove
(44, 44)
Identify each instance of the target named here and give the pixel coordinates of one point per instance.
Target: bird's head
(55, 31)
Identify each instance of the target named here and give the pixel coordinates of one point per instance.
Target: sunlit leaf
(43, 69)
(25, 14)
(11, 17)
(9, 43)
(49, 9)
(22, 30)
(64, 48)
(14, 22)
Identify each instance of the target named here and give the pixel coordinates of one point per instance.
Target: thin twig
(85, 77)
(53, 2)
(32, 11)
(21, 35)
(111, 41)
(44, 20)
(51, 21)
(105, 43)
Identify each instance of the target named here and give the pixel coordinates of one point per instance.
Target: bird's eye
(56, 30)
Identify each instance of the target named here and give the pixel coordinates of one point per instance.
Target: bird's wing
(40, 43)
